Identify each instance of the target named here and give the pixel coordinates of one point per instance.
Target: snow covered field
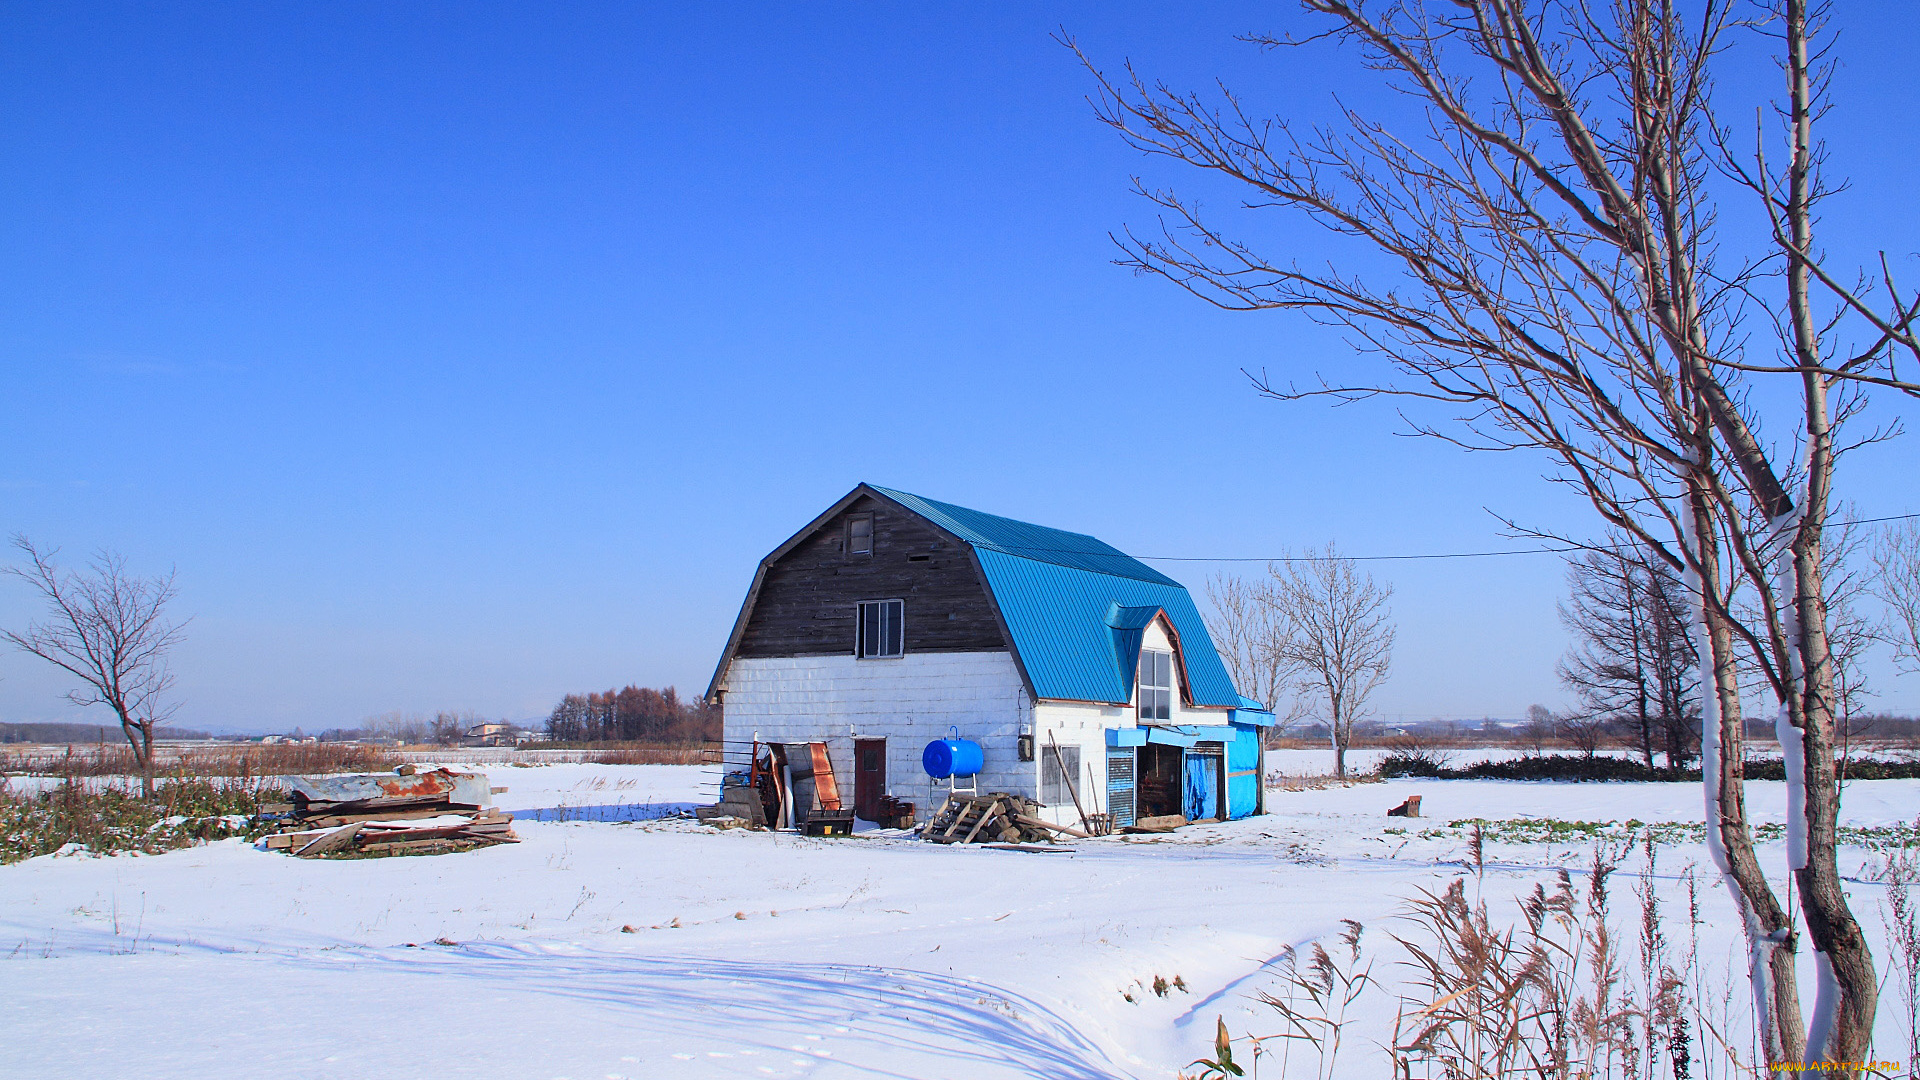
(754, 954)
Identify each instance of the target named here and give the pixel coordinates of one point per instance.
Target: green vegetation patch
(1572, 767)
(1555, 831)
(105, 820)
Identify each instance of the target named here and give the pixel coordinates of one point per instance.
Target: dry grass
(690, 754)
(1558, 994)
(242, 761)
(1900, 912)
(1318, 781)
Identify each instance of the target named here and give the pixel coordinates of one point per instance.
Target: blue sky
(464, 355)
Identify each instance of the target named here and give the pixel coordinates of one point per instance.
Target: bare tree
(1585, 730)
(1850, 633)
(447, 727)
(1633, 662)
(1247, 628)
(1551, 213)
(1540, 726)
(1337, 633)
(107, 628)
(1897, 585)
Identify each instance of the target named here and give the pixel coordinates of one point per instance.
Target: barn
(892, 620)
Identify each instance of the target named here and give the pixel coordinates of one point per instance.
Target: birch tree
(1337, 632)
(1547, 213)
(108, 629)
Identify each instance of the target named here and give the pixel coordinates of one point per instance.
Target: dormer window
(860, 535)
(1156, 685)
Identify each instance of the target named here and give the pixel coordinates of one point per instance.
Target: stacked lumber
(407, 812)
(996, 818)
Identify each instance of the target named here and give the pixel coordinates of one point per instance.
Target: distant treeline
(443, 728)
(83, 733)
(632, 714)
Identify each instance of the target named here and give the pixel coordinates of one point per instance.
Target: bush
(1534, 767)
(104, 819)
(1413, 763)
(1857, 769)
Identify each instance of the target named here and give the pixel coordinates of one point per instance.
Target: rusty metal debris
(407, 812)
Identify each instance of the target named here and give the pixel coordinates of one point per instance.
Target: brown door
(869, 777)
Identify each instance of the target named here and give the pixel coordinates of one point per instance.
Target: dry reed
(283, 759)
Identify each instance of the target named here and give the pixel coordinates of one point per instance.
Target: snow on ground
(756, 954)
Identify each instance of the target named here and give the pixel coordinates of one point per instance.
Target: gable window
(1156, 684)
(860, 535)
(879, 632)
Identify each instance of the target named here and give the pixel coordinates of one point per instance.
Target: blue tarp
(1202, 797)
(1243, 773)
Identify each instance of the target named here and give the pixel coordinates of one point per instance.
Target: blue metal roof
(1076, 607)
(992, 532)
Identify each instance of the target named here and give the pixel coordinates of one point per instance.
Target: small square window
(879, 632)
(1156, 684)
(860, 535)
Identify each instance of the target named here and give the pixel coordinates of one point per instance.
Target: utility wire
(1013, 549)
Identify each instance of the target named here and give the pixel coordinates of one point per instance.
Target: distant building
(891, 620)
(492, 733)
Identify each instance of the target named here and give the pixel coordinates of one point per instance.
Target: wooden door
(869, 777)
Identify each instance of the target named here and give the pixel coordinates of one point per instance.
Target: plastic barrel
(952, 757)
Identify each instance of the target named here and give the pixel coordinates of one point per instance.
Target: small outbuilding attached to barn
(892, 620)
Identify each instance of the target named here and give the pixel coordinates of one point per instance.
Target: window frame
(1064, 793)
(892, 633)
(1153, 700)
(853, 520)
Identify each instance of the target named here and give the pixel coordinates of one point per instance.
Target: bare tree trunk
(140, 738)
(1769, 932)
(1847, 994)
(1341, 735)
(1847, 991)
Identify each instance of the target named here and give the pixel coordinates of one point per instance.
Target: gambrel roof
(1073, 607)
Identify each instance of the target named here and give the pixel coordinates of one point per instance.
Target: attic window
(879, 631)
(860, 535)
(1156, 684)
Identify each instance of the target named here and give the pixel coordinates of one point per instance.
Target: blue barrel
(952, 756)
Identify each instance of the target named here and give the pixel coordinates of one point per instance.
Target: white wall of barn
(909, 701)
(1081, 724)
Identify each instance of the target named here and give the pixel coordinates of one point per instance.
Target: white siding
(1075, 724)
(909, 701)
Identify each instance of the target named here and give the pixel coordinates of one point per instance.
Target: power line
(1015, 549)
(1446, 555)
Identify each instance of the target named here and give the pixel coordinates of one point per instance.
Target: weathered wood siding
(806, 605)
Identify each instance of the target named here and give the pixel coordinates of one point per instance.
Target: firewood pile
(997, 818)
(406, 812)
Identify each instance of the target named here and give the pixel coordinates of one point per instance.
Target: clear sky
(462, 355)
